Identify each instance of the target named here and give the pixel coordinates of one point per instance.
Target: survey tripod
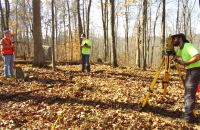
(167, 59)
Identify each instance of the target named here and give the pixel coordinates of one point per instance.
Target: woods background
(122, 32)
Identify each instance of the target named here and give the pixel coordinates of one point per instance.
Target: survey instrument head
(169, 48)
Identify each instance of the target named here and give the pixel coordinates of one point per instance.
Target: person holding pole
(7, 51)
(190, 59)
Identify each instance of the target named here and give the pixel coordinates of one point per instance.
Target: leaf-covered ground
(107, 98)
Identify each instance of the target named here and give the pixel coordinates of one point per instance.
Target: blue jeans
(8, 64)
(85, 57)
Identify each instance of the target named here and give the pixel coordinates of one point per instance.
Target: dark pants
(85, 58)
(191, 86)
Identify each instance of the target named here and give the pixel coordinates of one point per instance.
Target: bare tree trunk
(138, 45)
(70, 32)
(37, 35)
(65, 35)
(154, 32)
(190, 22)
(112, 24)
(5, 20)
(16, 25)
(83, 16)
(25, 36)
(56, 28)
(149, 37)
(79, 21)
(138, 39)
(163, 28)
(126, 36)
(177, 19)
(103, 13)
(107, 47)
(185, 5)
(2, 19)
(116, 35)
(144, 33)
(88, 18)
(53, 35)
(7, 5)
(27, 42)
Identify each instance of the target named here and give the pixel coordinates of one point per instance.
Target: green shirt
(187, 52)
(84, 49)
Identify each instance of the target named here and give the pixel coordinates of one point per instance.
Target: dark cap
(83, 35)
(180, 35)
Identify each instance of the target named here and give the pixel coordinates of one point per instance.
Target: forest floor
(107, 98)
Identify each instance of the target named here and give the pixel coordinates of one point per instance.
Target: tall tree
(138, 39)
(53, 36)
(149, 36)
(163, 28)
(83, 16)
(107, 46)
(5, 17)
(88, 18)
(37, 35)
(144, 33)
(16, 24)
(64, 25)
(70, 32)
(185, 22)
(103, 16)
(56, 29)
(177, 19)
(112, 24)
(79, 21)
(154, 32)
(126, 35)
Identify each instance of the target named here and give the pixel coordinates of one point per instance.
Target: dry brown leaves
(105, 99)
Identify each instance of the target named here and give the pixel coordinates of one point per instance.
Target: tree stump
(19, 74)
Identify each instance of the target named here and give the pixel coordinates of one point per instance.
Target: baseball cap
(5, 31)
(180, 35)
(82, 35)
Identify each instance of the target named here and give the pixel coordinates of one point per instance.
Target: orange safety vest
(7, 51)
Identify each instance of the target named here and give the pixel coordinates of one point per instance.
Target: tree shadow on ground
(110, 104)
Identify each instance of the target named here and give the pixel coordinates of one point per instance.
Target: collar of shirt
(182, 46)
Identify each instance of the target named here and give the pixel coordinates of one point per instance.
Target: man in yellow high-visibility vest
(85, 54)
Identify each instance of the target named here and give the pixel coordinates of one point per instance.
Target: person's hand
(83, 46)
(13, 45)
(179, 62)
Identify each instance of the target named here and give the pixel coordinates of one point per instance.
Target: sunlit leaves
(105, 99)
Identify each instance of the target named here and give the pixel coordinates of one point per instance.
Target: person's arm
(88, 47)
(194, 59)
(4, 46)
(176, 57)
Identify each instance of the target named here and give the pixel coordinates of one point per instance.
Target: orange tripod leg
(154, 82)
